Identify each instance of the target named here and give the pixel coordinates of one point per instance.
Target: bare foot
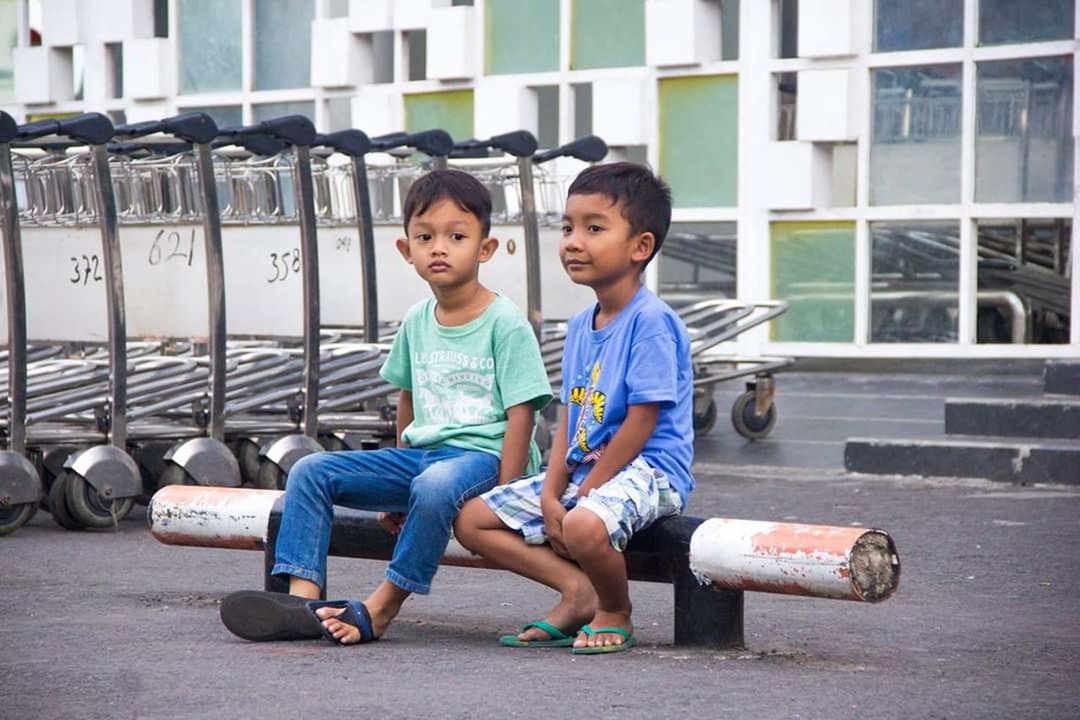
(572, 610)
(606, 619)
(348, 634)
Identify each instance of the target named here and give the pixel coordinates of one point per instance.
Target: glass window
(1010, 21)
(918, 24)
(1024, 131)
(161, 18)
(699, 139)
(209, 45)
(729, 29)
(338, 114)
(547, 115)
(416, 54)
(9, 30)
(607, 33)
(582, 109)
(283, 43)
(522, 36)
(268, 111)
(914, 281)
(223, 115)
(787, 94)
(78, 71)
(337, 8)
(697, 262)
(845, 174)
(114, 63)
(915, 153)
(1024, 292)
(787, 28)
(813, 269)
(450, 111)
(382, 50)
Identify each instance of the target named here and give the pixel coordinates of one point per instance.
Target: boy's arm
(404, 414)
(624, 446)
(515, 446)
(556, 479)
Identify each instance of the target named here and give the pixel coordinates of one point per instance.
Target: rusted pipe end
(874, 566)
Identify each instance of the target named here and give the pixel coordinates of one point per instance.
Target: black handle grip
(88, 128)
(519, 143)
(589, 149)
(192, 127)
(349, 142)
(435, 143)
(257, 144)
(9, 129)
(290, 129)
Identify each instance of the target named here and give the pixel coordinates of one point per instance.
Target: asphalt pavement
(985, 624)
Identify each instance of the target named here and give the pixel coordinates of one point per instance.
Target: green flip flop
(558, 637)
(628, 642)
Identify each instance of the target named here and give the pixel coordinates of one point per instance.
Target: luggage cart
(70, 213)
(170, 204)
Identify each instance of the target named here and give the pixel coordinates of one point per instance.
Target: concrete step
(1036, 417)
(1006, 459)
(1062, 377)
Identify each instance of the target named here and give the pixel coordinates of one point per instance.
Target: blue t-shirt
(642, 356)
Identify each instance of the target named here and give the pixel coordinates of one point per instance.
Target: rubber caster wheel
(247, 454)
(706, 419)
(333, 443)
(92, 510)
(14, 517)
(748, 423)
(270, 477)
(58, 504)
(173, 474)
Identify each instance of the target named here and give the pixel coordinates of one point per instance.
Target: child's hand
(554, 512)
(392, 522)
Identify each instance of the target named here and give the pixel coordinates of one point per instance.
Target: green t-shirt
(462, 378)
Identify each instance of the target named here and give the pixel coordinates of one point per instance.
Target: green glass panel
(522, 36)
(283, 43)
(268, 111)
(223, 115)
(699, 138)
(607, 33)
(449, 111)
(209, 45)
(813, 269)
(9, 30)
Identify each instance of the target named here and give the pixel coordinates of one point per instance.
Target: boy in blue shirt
(471, 379)
(622, 450)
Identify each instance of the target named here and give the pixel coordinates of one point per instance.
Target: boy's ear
(403, 248)
(488, 246)
(643, 247)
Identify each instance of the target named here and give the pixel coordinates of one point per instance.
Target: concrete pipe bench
(709, 563)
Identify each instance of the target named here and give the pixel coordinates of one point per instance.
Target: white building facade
(901, 172)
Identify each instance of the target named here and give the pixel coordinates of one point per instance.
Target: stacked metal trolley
(191, 304)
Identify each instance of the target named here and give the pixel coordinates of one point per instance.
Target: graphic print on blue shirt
(642, 356)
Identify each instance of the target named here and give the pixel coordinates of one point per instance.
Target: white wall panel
(825, 106)
(620, 111)
(797, 175)
(367, 16)
(339, 58)
(149, 69)
(681, 32)
(453, 43)
(826, 28)
(42, 75)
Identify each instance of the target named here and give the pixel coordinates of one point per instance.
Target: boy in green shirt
(471, 379)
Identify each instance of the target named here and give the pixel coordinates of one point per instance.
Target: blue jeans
(429, 485)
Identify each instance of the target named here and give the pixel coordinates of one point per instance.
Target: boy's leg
(597, 531)
(373, 480)
(480, 530)
(446, 478)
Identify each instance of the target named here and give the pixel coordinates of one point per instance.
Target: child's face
(446, 245)
(597, 247)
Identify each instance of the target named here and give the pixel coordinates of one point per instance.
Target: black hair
(460, 187)
(644, 199)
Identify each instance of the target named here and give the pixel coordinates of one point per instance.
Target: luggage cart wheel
(270, 476)
(247, 454)
(15, 516)
(705, 418)
(90, 508)
(58, 504)
(173, 474)
(747, 421)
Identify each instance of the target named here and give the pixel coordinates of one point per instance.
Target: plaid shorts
(636, 497)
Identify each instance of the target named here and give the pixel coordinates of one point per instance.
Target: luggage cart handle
(88, 128)
(589, 148)
(350, 142)
(9, 129)
(290, 129)
(519, 143)
(434, 143)
(192, 127)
